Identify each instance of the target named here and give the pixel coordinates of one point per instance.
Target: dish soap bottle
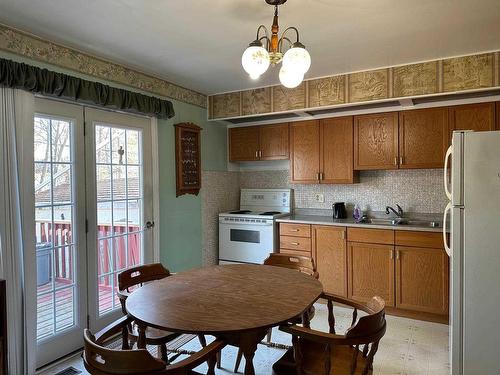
(357, 213)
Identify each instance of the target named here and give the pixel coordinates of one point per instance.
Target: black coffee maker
(339, 211)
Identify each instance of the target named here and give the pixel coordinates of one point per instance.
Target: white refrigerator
(474, 247)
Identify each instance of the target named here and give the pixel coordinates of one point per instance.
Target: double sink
(402, 221)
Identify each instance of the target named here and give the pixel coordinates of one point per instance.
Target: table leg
(141, 340)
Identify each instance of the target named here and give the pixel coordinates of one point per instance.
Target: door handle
(449, 153)
(149, 225)
(445, 237)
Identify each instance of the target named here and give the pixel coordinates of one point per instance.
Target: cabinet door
(376, 141)
(497, 115)
(370, 272)
(336, 151)
(330, 254)
(422, 279)
(274, 142)
(244, 144)
(423, 138)
(304, 151)
(477, 117)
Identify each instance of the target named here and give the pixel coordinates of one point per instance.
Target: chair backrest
(297, 262)
(100, 360)
(141, 274)
(370, 325)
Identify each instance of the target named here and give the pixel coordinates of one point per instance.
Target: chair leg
(202, 339)
(125, 343)
(219, 356)
(238, 360)
(268, 336)
(162, 350)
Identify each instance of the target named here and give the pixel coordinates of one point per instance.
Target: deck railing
(114, 252)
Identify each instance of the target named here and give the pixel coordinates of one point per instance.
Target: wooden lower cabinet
(330, 254)
(370, 272)
(422, 279)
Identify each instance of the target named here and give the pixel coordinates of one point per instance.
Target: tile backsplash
(417, 191)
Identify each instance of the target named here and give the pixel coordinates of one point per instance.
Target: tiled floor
(409, 347)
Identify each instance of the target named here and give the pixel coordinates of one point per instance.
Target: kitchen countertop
(329, 220)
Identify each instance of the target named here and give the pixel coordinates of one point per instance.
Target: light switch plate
(320, 198)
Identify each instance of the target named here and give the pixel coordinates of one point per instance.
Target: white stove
(249, 234)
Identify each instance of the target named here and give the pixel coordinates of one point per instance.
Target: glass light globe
(255, 61)
(297, 58)
(290, 78)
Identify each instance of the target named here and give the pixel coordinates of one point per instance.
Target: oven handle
(244, 225)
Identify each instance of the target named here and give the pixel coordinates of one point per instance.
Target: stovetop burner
(240, 212)
(267, 213)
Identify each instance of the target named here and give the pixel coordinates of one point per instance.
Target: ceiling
(198, 43)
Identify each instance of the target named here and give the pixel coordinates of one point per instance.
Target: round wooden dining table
(237, 303)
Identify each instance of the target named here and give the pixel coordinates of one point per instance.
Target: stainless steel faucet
(398, 213)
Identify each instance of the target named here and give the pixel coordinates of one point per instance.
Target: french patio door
(93, 201)
(120, 204)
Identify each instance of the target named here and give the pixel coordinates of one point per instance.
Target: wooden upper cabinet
(304, 151)
(274, 142)
(370, 272)
(477, 117)
(244, 143)
(422, 279)
(267, 142)
(336, 151)
(376, 141)
(330, 254)
(423, 138)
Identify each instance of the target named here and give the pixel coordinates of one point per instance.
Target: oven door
(245, 242)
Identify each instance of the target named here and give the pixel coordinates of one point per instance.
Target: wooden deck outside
(64, 301)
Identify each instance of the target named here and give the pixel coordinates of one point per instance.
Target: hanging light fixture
(265, 51)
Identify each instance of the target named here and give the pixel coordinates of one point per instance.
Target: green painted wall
(180, 218)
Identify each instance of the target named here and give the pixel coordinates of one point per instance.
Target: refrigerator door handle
(445, 237)
(447, 189)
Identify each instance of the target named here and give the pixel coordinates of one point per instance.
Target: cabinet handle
(397, 254)
(401, 160)
(318, 176)
(392, 254)
(343, 234)
(395, 161)
(260, 153)
(295, 243)
(321, 176)
(256, 154)
(294, 230)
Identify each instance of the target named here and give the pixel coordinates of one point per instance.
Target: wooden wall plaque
(187, 159)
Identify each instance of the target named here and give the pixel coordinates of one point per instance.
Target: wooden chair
(296, 262)
(319, 353)
(100, 360)
(135, 277)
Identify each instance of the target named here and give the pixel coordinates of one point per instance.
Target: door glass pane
(54, 216)
(119, 208)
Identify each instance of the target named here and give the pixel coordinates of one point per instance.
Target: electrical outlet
(320, 198)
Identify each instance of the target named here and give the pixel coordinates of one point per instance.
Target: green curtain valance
(48, 83)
